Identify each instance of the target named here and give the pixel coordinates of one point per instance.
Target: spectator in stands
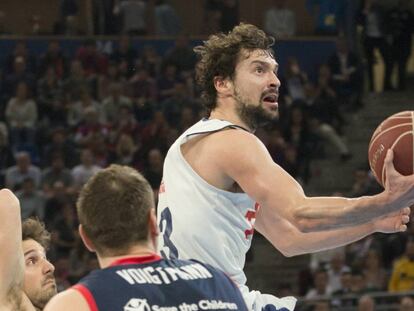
(321, 288)
(112, 76)
(32, 201)
(134, 15)
(294, 83)
(68, 8)
(142, 89)
(125, 123)
(298, 134)
(324, 102)
(15, 175)
(155, 133)
(406, 304)
(56, 172)
(113, 103)
(346, 75)
(402, 276)
(49, 95)
(153, 169)
(56, 199)
(366, 303)
(371, 18)
(21, 115)
(19, 74)
(93, 62)
(173, 105)
(69, 27)
(167, 22)
(126, 152)
(279, 20)
(64, 230)
(376, 277)
(85, 169)
(54, 58)
(150, 60)
(345, 286)
(364, 183)
(358, 282)
(229, 14)
(79, 258)
(75, 82)
(328, 15)
(166, 82)
(125, 55)
(21, 51)
(36, 26)
(212, 16)
(357, 251)
(3, 24)
(90, 128)
(77, 111)
(336, 268)
(401, 27)
(319, 122)
(181, 55)
(60, 142)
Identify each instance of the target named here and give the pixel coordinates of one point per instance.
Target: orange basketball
(396, 133)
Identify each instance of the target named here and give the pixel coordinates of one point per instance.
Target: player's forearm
(304, 243)
(331, 213)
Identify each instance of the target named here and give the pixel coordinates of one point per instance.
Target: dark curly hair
(33, 229)
(220, 53)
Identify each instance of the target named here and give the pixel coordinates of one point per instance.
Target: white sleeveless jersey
(199, 221)
(202, 222)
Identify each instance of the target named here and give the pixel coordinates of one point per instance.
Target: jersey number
(166, 230)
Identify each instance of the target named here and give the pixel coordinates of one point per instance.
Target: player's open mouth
(271, 99)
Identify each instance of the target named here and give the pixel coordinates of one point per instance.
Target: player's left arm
(292, 242)
(68, 300)
(11, 252)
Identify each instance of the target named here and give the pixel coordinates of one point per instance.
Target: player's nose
(274, 81)
(48, 267)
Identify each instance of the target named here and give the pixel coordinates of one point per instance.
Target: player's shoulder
(233, 139)
(68, 300)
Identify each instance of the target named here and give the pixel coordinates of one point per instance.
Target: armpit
(14, 299)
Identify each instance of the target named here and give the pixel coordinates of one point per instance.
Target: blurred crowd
(63, 118)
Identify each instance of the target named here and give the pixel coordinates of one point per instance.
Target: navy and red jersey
(151, 283)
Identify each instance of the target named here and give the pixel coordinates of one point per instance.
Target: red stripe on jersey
(162, 188)
(135, 260)
(87, 295)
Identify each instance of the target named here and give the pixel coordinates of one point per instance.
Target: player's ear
(153, 226)
(223, 85)
(85, 239)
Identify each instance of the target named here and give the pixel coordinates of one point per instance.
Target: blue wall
(310, 53)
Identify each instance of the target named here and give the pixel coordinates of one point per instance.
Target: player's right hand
(399, 189)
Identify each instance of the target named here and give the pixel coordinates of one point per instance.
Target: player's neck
(135, 251)
(230, 116)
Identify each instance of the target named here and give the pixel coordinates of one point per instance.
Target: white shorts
(257, 301)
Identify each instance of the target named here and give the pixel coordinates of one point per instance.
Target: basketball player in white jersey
(220, 183)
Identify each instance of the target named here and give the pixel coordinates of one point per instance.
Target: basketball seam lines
(385, 131)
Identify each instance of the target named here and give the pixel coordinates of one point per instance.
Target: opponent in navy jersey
(220, 183)
(117, 221)
(152, 283)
